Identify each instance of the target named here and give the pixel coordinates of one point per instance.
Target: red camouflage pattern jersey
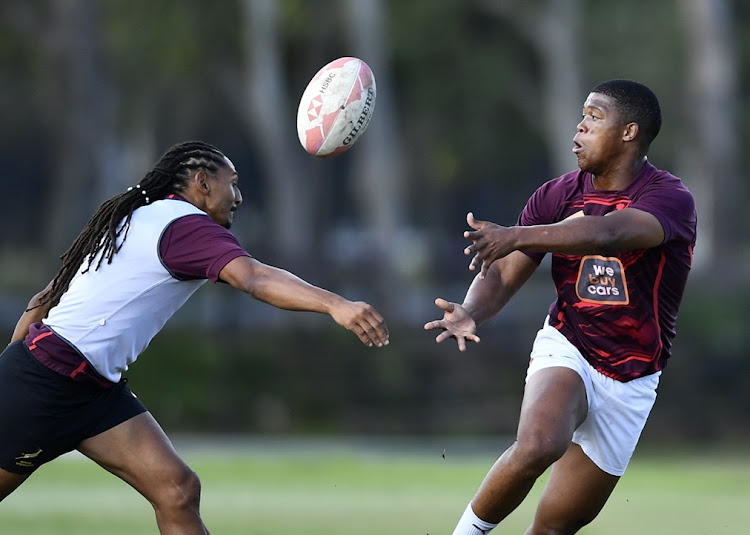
(620, 311)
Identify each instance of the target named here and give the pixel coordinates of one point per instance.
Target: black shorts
(44, 414)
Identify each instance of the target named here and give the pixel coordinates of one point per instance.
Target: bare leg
(574, 494)
(139, 452)
(554, 405)
(9, 482)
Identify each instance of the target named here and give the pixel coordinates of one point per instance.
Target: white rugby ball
(336, 107)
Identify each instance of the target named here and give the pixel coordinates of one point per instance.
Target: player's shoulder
(663, 178)
(198, 226)
(165, 210)
(177, 206)
(554, 200)
(564, 185)
(177, 217)
(663, 181)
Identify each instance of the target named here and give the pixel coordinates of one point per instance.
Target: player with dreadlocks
(138, 259)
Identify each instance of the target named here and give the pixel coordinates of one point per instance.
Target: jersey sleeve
(196, 247)
(538, 211)
(674, 207)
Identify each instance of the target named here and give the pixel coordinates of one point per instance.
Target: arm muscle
(487, 296)
(622, 230)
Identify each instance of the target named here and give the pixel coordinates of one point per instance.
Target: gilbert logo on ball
(336, 107)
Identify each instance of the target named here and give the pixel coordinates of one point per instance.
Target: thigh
(32, 426)
(554, 405)
(574, 494)
(9, 482)
(611, 432)
(44, 414)
(138, 452)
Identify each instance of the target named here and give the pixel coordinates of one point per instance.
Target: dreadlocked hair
(107, 229)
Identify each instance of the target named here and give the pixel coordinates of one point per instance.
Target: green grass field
(316, 491)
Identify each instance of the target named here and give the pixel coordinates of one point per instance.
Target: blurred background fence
(477, 105)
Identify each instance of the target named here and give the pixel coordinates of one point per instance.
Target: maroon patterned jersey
(619, 311)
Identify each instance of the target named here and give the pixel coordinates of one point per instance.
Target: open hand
(489, 242)
(456, 323)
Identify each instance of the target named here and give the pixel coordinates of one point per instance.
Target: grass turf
(345, 491)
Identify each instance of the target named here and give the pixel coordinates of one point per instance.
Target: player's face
(599, 138)
(224, 195)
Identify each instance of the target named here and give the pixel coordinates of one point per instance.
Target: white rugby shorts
(617, 411)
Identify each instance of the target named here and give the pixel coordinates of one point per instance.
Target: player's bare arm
(484, 299)
(35, 312)
(622, 230)
(284, 290)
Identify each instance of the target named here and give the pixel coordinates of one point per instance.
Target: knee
(537, 452)
(179, 490)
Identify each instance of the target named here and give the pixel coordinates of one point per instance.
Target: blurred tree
(379, 182)
(478, 99)
(709, 156)
(290, 200)
(551, 28)
(84, 122)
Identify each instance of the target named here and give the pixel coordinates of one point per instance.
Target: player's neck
(618, 177)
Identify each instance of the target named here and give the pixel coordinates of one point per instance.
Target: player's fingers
(461, 340)
(475, 247)
(385, 336)
(474, 262)
(443, 336)
(374, 330)
(478, 245)
(485, 267)
(472, 235)
(368, 334)
(379, 332)
(362, 335)
(473, 223)
(444, 304)
(373, 325)
(433, 325)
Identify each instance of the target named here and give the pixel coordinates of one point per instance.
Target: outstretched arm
(34, 313)
(621, 230)
(485, 297)
(285, 290)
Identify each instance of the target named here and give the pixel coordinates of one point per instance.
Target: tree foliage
(472, 115)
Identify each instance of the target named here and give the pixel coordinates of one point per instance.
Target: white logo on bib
(601, 280)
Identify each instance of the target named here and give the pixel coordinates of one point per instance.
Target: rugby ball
(336, 107)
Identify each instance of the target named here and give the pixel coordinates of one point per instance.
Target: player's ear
(201, 180)
(631, 130)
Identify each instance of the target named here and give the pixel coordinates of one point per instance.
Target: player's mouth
(577, 147)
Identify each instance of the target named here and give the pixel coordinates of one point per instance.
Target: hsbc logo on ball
(327, 82)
